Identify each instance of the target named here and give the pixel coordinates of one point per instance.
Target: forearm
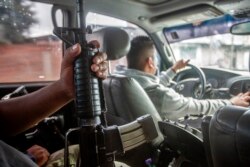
(176, 106)
(21, 113)
(167, 76)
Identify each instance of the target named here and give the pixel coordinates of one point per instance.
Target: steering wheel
(192, 87)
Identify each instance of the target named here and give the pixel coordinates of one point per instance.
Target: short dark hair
(138, 44)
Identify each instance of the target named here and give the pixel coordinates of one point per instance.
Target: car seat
(229, 135)
(125, 98)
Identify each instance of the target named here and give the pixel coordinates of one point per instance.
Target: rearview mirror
(241, 29)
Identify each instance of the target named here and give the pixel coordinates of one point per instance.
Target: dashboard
(218, 78)
(234, 82)
(238, 84)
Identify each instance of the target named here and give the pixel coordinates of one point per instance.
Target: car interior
(212, 34)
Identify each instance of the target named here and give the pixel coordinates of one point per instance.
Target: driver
(170, 104)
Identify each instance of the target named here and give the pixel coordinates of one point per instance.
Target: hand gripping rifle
(98, 143)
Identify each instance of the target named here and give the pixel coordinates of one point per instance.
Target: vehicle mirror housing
(241, 28)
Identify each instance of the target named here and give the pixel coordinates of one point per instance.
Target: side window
(100, 21)
(28, 50)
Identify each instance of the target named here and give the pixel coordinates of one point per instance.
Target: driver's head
(142, 55)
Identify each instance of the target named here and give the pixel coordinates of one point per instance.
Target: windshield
(209, 44)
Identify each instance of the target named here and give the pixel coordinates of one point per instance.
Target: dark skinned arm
(19, 114)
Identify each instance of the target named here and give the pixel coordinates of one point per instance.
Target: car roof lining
(152, 17)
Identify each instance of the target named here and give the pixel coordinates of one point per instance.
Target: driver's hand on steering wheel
(179, 65)
(242, 99)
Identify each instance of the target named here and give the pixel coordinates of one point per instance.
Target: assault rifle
(98, 143)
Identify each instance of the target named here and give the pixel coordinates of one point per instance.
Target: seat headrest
(113, 40)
